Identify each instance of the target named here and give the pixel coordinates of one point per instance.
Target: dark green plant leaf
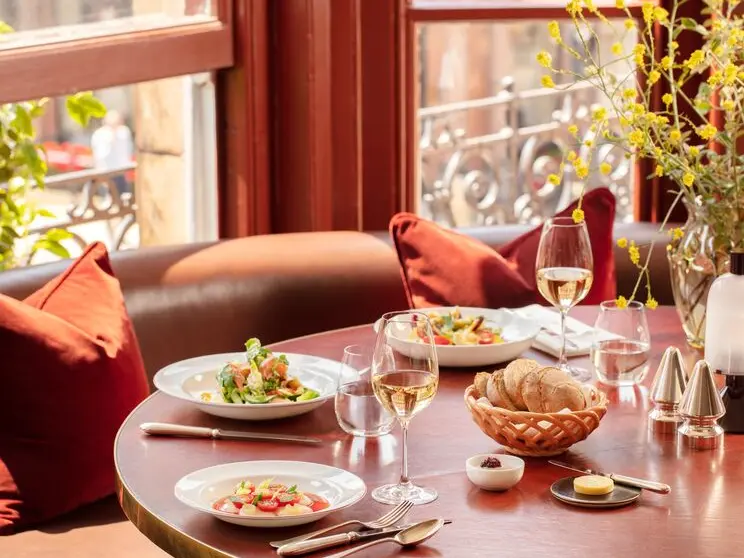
(10, 231)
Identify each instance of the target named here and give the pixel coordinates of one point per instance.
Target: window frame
(49, 70)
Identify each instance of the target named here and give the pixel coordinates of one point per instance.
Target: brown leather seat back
(197, 299)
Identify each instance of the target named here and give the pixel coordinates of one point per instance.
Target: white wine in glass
(565, 271)
(404, 383)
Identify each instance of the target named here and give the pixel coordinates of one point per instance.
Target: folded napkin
(579, 336)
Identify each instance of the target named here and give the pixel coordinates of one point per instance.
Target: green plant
(679, 133)
(23, 167)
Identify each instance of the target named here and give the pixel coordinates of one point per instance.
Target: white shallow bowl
(500, 478)
(188, 379)
(200, 489)
(517, 331)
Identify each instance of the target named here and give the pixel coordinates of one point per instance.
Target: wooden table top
(698, 518)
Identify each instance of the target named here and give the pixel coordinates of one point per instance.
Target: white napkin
(579, 336)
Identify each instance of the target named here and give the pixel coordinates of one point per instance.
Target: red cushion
(71, 373)
(441, 267)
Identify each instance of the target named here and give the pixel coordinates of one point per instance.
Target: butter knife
(166, 429)
(313, 545)
(658, 487)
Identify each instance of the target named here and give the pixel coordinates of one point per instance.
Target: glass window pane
(490, 134)
(52, 21)
(130, 178)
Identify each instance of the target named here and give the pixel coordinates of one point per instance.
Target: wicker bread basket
(535, 434)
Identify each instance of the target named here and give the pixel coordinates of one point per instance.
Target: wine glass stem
(404, 471)
(562, 359)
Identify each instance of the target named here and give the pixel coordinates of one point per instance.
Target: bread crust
(514, 376)
(549, 390)
(496, 391)
(481, 384)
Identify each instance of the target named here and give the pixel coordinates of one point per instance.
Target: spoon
(414, 535)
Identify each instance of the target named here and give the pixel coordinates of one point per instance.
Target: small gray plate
(563, 490)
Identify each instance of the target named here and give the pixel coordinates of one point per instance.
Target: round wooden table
(699, 518)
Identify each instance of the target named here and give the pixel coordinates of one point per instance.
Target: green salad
(261, 379)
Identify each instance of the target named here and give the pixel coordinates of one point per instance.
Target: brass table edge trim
(160, 532)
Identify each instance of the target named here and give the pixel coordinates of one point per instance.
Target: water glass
(622, 357)
(357, 410)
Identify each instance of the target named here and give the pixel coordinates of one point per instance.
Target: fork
(387, 520)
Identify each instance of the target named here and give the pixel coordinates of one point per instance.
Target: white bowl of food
(470, 336)
(496, 472)
(253, 385)
(270, 493)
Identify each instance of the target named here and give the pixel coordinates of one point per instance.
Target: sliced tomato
(267, 505)
(441, 340)
(319, 503)
(485, 338)
(285, 498)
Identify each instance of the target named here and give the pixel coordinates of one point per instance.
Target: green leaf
(83, 106)
(45, 213)
(57, 235)
(688, 22)
(22, 121)
(5, 28)
(10, 231)
(252, 348)
(50, 246)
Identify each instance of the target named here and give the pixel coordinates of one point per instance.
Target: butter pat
(593, 485)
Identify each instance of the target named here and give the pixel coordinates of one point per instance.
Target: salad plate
(241, 386)
(270, 493)
(471, 336)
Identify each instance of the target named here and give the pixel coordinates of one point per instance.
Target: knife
(166, 429)
(305, 547)
(657, 487)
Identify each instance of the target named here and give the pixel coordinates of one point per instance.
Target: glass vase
(695, 260)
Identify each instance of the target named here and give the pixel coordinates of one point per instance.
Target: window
(150, 62)
(490, 134)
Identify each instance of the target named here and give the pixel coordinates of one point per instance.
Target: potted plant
(692, 139)
(23, 167)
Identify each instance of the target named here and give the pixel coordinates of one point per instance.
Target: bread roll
(496, 392)
(549, 389)
(514, 376)
(481, 384)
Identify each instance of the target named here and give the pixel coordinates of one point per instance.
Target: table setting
(299, 449)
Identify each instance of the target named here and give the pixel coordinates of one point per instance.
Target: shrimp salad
(455, 329)
(261, 379)
(269, 499)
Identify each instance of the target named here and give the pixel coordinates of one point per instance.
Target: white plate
(518, 333)
(200, 489)
(188, 379)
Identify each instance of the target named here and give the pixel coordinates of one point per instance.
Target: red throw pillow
(71, 373)
(441, 267)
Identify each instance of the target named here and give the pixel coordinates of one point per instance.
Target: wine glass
(565, 270)
(622, 349)
(405, 377)
(357, 410)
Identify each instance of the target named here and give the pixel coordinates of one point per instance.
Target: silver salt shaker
(701, 407)
(666, 393)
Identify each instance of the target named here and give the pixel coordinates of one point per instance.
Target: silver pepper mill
(666, 393)
(701, 408)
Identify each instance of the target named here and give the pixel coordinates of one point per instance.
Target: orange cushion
(71, 372)
(441, 267)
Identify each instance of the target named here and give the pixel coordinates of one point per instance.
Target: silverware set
(384, 526)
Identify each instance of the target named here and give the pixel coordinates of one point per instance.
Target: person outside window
(113, 147)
